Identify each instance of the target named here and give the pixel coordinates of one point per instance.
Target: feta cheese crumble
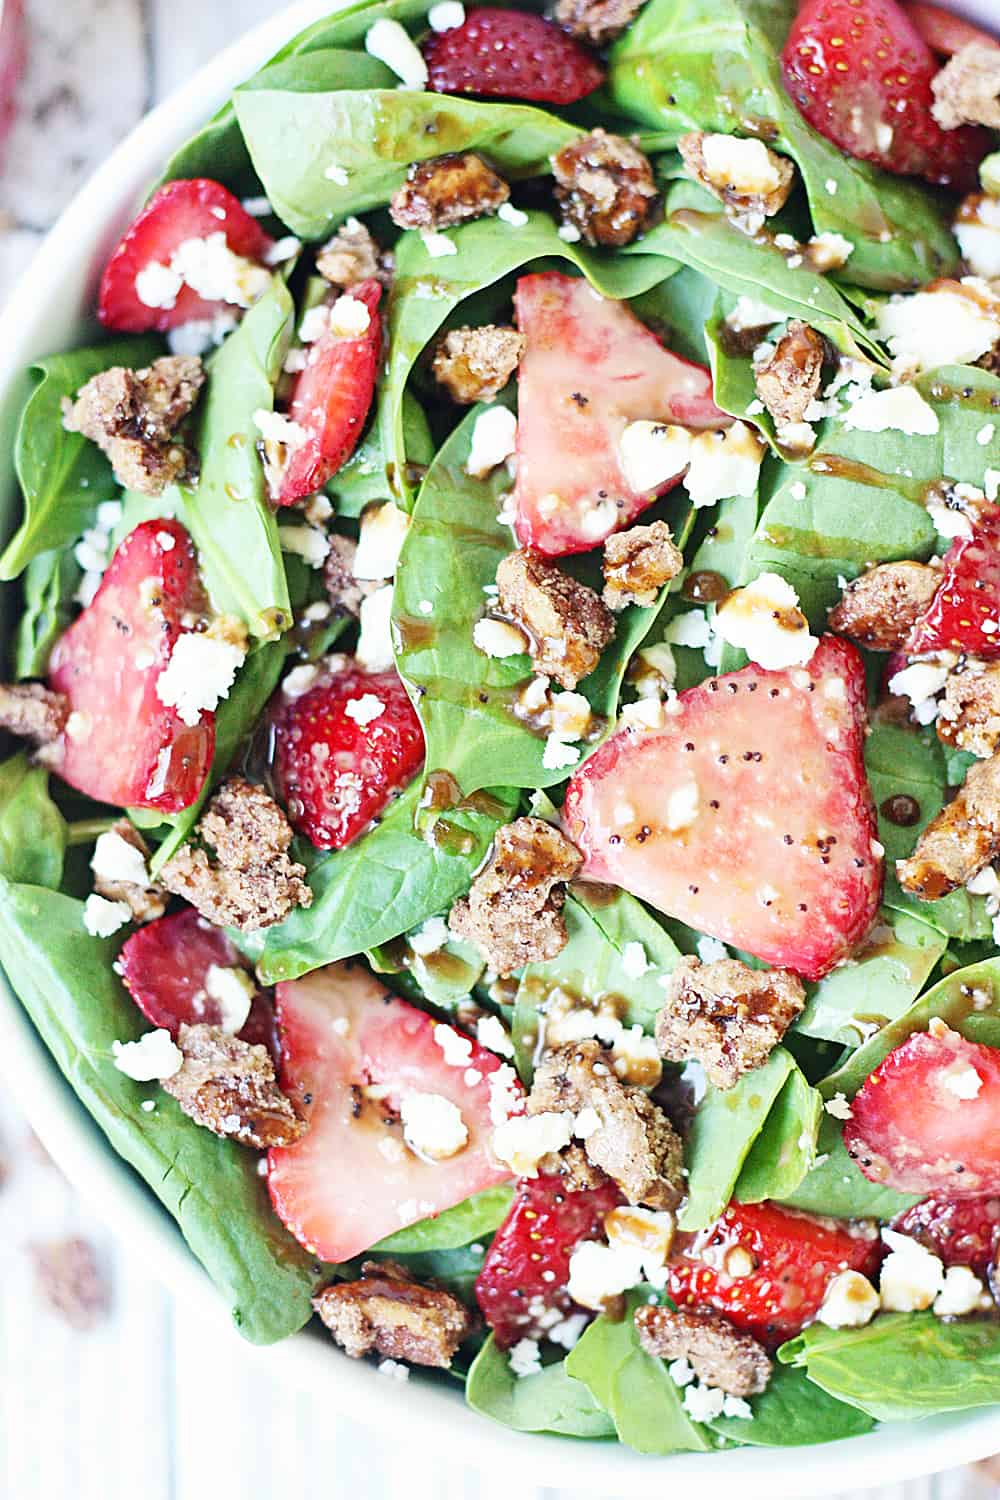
(494, 437)
(498, 638)
(764, 619)
(199, 674)
(956, 323)
(447, 15)
(374, 648)
(430, 937)
(432, 1126)
(850, 1302)
(208, 267)
(153, 1057)
(911, 1276)
(652, 453)
(524, 1358)
(961, 1293)
(492, 1034)
(724, 464)
(901, 408)
(103, 918)
(921, 681)
(115, 859)
(364, 710)
(349, 317)
(744, 166)
(437, 244)
(383, 531)
(521, 1141)
(392, 45)
(232, 989)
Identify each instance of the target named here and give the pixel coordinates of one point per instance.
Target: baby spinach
(65, 979)
(32, 829)
(550, 1401)
(385, 883)
(476, 1218)
(63, 476)
(48, 585)
(785, 1149)
(791, 1413)
(369, 475)
(837, 1188)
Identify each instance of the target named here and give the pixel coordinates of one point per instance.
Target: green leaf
(369, 475)
(785, 1149)
(477, 1218)
(64, 978)
(385, 883)
(49, 583)
(62, 475)
(792, 1413)
(548, 1402)
(903, 1365)
(835, 1187)
(227, 514)
(32, 829)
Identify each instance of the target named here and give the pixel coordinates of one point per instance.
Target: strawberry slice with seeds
(333, 395)
(748, 814)
(121, 744)
(509, 54)
(590, 368)
(138, 293)
(342, 752)
(767, 1268)
(166, 968)
(861, 75)
(522, 1286)
(961, 1231)
(352, 1055)
(964, 614)
(925, 1120)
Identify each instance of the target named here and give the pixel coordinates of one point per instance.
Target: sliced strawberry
(122, 744)
(164, 966)
(589, 368)
(748, 815)
(942, 30)
(962, 1231)
(189, 209)
(964, 614)
(861, 75)
(342, 751)
(351, 1180)
(332, 399)
(925, 1120)
(792, 1259)
(511, 55)
(522, 1285)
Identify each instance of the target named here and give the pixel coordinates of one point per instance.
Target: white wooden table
(139, 1408)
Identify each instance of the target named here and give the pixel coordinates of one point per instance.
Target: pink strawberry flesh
(925, 1120)
(964, 614)
(511, 55)
(350, 1181)
(778, 856)
(589, 368)
(961, 1231)
(122, 744)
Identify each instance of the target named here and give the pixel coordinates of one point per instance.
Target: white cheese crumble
(901, 408)
(374, 648)
(315, 322)
(829, 251)
(232, 989)
(337, 174)
(498, 638)
(710, 950)
(961, 1080)
(569, 234)
(380, 541)
(430, 937)
(349, 318)
(652, 453)
(961, 1293)
(745, 167)
(920, 682)
(521, 1141)
(199, 674)
(200, 334)
(154, 1056)
(692, 628)
(103, 918)
(839, 1107)
(558, 753)
(724, 464)
(850, 1302)
(437, 244)
(447, 15)
(392, 45)
(393, 1370)
(364, 710)
(115, 859)
(275, 427)
(492, 1034)
(634, 961)
(284, 249)
(457, 1048)
(524, 1358)
(911, 1276)
(749, 313)
(515, 217)
(954, 324)
(494, 438)
(764, 619)
(703, 1403)
(208, 267)
(598, 1272)
(433, 1126)
(978, 235)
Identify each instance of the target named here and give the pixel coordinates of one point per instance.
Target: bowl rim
(32, 324)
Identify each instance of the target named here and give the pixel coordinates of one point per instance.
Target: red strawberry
(967, 603)
(861, 74)
(336, 772)
(942, 30)
(122, 744)
(793, 1259)
(524, 1275)
(189, 209)
(511, 55)
(925, 1120)
(962, 1231)
(589, 368)
(351, 1181)
(164, 966)
(761, 775)
(331, 401)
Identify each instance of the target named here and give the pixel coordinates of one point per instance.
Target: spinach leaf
(62, 475)
(785, 1149)
(369, 475)
(475, 1219)
(32, 829)
(724, 1129)
(64, 978)
(448, 975)
(227, 512)
(548, 1402)
(835, 1187)
(903, 1365)
(792, 1413)
(632, 1387)
(385, 883)
(49, 583)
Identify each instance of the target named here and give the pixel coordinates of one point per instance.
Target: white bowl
(49, 311)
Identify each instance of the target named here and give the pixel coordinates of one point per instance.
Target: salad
(503, 825)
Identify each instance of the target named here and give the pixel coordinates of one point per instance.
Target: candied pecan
(31, 711)
(352, 256)
(133, 416)
(447, 190)
(960, 840)
(969, 717)
(474, 364)
(573, 1165)
(566, 624)
(605, 187)
(726, 1015)
(229, 1086)
(69, 1277)
(879, 608)
(389, 1312)
(595, 21)
(788, 380)
(718, 1353)
(749, 193)
(967, 89)
(637, 563)
(146, 902)
(513, 912)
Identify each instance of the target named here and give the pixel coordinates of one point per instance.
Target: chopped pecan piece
(969, 716)
(880, 608)
(605, 187)
(474, 364)
(390, 1313)
(718, 1353)
(573, 1165)
(726, 1015)
(788, 380)
(252, 882)
(960, 840)
(595, 21)
(344, 591)
(513, 911)
(71, 1281)
(32, 712)
(635, 1143)
(637, 563)
(146, 901)
(133, 417)
(751, 181)
(352, 256)
(447, 190)
(967, 89)
(566, 624)
(229, 1086)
